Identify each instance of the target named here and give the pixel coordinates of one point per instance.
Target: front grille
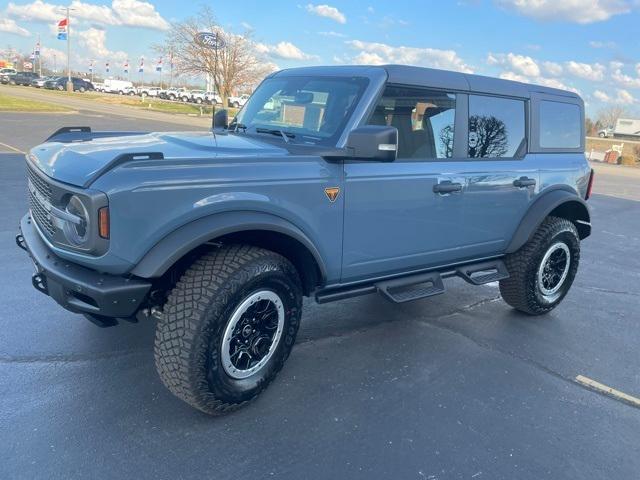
(39, 210)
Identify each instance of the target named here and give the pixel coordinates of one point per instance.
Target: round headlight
(77, 232)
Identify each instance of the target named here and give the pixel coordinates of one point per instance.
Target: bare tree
(608, 117)
(487, 137)
(234, 66)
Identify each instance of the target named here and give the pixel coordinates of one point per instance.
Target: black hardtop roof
(431, 77)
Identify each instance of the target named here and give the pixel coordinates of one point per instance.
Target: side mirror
(373, 142)
(220, 119)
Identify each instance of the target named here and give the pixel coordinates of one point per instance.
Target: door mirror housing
(377, 143)
(220, 119)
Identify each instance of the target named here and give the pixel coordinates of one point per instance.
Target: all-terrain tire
(522, 290)
(190, 333)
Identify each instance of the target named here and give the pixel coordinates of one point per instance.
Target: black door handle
(524, 182)
(447, 187)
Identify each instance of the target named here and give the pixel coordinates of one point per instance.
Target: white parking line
(10, 147)
(608, 390)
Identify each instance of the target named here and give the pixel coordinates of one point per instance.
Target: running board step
(411, 288)
(485, 272)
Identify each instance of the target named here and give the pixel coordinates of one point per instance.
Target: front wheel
(542, 271)
(227, 327)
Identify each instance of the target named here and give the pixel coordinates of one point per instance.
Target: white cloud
(621, 78)
(332, 34)
(602, 96)
(134, 13)
(8, 25)
(586, 71)
(94, 42)
(327, 11)
(578, 11)
(37, 11)
(284, 50)
(379, 53)
(519, 64)
(599, 44)
(552, 68)
(131, 13)
(544, 81)
(625, 98)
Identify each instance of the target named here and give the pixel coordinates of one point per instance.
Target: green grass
(9, 103)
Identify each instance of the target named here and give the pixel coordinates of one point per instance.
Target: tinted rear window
(496, 126)
(559, 125)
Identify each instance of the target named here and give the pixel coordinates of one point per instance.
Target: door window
(424, 118)
(496, 127)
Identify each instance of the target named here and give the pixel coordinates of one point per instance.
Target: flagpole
(69, 84)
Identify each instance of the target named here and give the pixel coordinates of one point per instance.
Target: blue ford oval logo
(209, 40)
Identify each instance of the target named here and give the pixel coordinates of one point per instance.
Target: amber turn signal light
(103, 222)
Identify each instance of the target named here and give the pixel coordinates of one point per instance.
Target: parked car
(176, 94)
(40, 81)
(98, 86)
(60, 83)
(150, 91)
(213, 98)
(24, 78)
(355, 180)
(131, 91)
(198, 96)
(6, 75)
(237, 102)
(606, 132)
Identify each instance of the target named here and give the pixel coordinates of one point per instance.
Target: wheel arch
(252, 228)
(559, 202)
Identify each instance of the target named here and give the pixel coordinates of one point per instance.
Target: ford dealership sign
(210, 40)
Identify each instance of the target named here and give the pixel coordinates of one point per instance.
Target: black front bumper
(77, 288)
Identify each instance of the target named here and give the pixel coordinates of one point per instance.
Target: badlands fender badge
(332, 193)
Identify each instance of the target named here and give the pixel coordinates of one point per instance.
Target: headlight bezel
(58, 197)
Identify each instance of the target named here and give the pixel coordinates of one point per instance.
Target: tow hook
(20, 242)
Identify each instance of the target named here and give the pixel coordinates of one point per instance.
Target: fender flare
(567, 201)
(191, 235)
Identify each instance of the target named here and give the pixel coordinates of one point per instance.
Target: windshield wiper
(276, 131)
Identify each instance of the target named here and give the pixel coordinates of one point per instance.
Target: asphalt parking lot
(456, 386)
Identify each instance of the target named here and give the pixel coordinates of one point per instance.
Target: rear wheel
(228, 326)
(542, 271)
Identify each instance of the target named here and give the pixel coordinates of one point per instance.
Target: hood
(81, 162)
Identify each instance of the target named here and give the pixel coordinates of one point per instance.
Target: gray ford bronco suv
(331, 182)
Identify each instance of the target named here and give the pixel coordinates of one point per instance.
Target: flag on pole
(159, 65)
(141, 66)
(106, 67)
(91, 66)
(125, 67)
(62, 29)
(36, 52)
(32, 56)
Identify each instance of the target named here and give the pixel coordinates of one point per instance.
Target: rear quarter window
(560, 125)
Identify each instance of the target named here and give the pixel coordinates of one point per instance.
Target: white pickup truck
(237, 102)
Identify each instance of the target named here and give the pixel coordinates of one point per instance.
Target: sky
(589, 46)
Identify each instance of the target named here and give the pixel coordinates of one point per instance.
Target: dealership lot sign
(209, 40)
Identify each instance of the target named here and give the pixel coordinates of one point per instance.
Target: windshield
(306, 109)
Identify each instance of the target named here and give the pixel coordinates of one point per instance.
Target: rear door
(501, 179)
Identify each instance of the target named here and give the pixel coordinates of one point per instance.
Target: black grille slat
(38, 211)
